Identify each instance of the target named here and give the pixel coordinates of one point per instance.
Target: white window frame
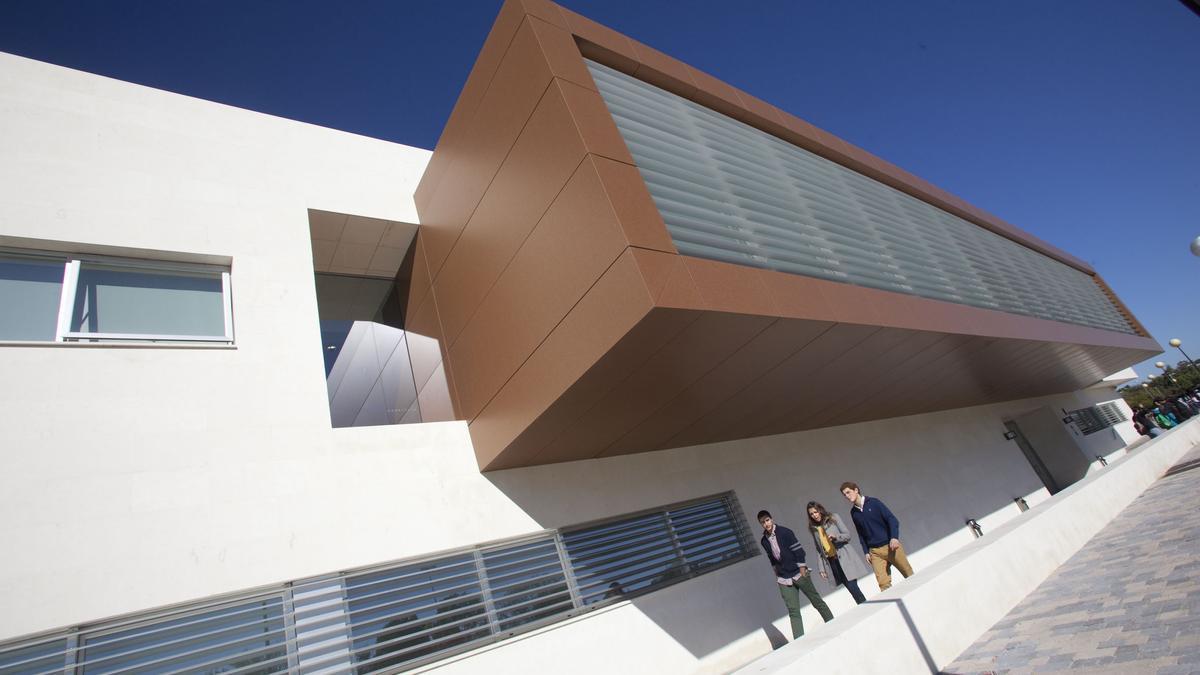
(70, 284)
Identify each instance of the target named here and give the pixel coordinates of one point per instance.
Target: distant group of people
(1166, 413)
(878, 532)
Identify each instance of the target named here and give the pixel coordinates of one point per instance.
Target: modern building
(285, 398)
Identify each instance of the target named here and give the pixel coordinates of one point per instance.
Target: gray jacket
(852, 562)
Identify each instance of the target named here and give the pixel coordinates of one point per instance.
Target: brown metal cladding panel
(663, 71)
(627, 357)
(608, 333)
(1108, 291)
(543, 9)
(806, 297)
(515, 91)
(945, 374)
(673, 283)
(541, 399)
(567, 252)
(860, 373)
(906, 359)
(627, 194)
(1012, 362)
(761, 115)
(823, 379)
(912, 378)
(453, 134)
(723, 382)
(716, 95)
(669, 371)
(558, 46)
(596, 125)
(730, 288)
(801, 133)
(795, 297)
(601, 43)
(658, 326)
(545, 156)
(725, 421)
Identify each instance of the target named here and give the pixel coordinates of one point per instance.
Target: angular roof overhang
(570, 327)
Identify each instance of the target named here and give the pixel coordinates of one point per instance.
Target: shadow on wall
(1053, 447)
(978, 474)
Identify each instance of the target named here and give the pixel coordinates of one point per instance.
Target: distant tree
(1174, 381)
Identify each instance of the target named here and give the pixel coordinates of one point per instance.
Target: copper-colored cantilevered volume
(569, 326)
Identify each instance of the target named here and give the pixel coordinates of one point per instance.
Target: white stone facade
(134, 477)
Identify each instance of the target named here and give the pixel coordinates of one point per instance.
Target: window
(1098, 417)
(648, 551)
(59, 298)
(247, 635)
(411, 612)
(35, 656)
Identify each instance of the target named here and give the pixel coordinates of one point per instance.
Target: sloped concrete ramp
(924, 623)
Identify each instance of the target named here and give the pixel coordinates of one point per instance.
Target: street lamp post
(1176, 342)
(1163, 367)
(1195, 246)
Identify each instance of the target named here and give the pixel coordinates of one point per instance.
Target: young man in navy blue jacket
(879, 532)
(786, 556)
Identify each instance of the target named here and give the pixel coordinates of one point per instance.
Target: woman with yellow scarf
(830, 536)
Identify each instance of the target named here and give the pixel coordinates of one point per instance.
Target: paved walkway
(1128, 602)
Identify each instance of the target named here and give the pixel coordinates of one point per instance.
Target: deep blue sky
(1077, 120)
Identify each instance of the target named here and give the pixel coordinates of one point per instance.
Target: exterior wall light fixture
(976, 529)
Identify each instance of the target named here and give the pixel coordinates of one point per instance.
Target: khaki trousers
(882, 560)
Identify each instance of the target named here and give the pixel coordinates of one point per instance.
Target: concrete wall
(135, 477)
(925, 623)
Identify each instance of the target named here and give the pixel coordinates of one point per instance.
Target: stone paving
(1128, 602)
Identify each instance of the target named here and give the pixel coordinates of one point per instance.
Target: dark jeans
(839, 577)
(791, 598)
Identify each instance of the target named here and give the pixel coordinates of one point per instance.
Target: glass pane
(527, 582)
(36, 658)
(29, 293)
(346, 298)
(368, 374)
(112, 299)
(247, 636)
(410, 612)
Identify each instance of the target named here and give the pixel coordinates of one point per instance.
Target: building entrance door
(1039, 467)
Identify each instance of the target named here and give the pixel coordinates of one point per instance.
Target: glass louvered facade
(733, 193)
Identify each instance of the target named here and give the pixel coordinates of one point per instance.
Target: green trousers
(791, 598)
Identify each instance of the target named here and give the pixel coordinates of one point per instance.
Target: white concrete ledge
(922, 624)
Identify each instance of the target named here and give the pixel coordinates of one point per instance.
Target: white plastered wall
(136, 477)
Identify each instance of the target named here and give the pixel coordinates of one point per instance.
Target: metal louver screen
(406, 613)
(246, 637)
(644, 552)
(1098, 417)
(733, 193)
(45, 656)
